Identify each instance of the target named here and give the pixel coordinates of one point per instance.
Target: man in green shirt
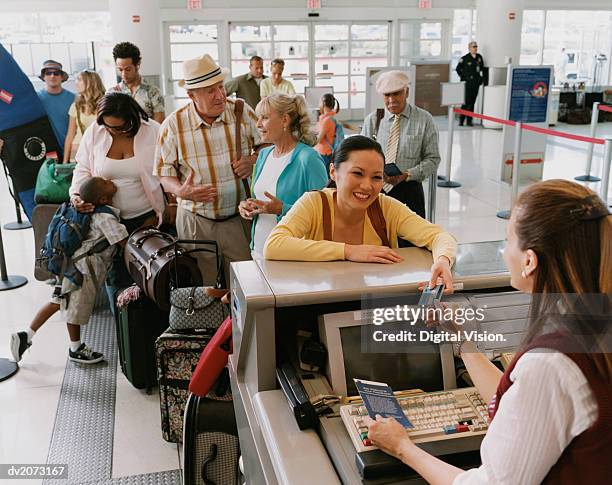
(247, 85)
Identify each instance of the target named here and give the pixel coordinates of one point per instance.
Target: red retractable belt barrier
(483, 117)
(213, 360)
(536, 129)
(605, 107)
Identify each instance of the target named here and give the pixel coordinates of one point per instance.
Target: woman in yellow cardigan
(357, 179)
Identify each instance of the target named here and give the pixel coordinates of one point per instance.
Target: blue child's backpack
(67, 231)
(338, 136)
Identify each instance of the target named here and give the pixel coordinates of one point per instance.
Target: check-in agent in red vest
(588, 458)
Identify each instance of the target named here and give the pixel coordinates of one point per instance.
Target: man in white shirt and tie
(409, 138)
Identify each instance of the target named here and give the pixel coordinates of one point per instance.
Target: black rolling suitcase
(210, 442)
(139, 323)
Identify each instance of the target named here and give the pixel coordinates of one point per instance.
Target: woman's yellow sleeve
(420, 232)
(298, 235)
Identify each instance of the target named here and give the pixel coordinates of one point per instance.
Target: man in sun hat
(196, 160)
(56, 99)
(409, 138)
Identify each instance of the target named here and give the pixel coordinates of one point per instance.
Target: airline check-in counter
(274, 303)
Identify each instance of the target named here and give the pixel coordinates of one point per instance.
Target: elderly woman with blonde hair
(284, 171)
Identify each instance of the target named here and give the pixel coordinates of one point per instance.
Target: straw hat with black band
(201, 72)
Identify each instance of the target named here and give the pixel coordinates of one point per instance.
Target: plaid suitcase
(177, 355)
(211, 448)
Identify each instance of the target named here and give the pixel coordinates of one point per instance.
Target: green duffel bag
(53, 182)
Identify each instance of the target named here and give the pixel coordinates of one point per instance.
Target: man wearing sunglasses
(56, 99)
(471, 70)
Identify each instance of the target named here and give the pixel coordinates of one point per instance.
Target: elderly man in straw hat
(198, 161)
(409, 138)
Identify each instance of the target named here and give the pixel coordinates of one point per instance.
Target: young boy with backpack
(79, 249)
(331, 132)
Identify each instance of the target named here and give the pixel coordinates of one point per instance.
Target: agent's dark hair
(122, 106)
(255, 59)
(350, 144)
(330, 101)
(92, 190)
(127, 50)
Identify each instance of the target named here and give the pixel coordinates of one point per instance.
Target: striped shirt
(186, 142)
(418, 152)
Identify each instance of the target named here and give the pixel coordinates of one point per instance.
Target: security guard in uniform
(471, 70)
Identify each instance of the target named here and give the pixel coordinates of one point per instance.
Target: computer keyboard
(444, 415)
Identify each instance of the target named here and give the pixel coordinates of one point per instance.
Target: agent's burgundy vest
(588, 458)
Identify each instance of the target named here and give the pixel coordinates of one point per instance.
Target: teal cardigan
(304, 172)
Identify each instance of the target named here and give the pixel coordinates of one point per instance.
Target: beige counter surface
(478, 266)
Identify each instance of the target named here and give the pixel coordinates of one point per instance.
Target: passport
(378, 398)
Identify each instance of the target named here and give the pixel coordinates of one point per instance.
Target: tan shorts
(77, 304)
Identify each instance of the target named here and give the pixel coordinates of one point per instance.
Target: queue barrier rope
(591, 140)
(605, 107)
(536, 129)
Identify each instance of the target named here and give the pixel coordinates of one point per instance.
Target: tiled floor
(28, 401)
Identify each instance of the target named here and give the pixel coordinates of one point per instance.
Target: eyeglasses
(124, 128)
(53, 73)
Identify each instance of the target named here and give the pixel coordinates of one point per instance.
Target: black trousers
(471, 93)
(410, 193)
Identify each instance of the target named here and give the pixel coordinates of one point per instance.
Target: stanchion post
(8, 282)
(516, 164)
(589, 160)
(447, 182)
(19, 223)
(431, 209)
(605, 175)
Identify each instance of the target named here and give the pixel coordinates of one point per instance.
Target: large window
(422, 40)
(79, 40)
(332, 59)
(464, 31)
(343, 52)
(316, 54)
(269, 41)
(532, 37)
(187, 41)
(578, 43)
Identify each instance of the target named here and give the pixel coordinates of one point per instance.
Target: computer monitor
(429, 367)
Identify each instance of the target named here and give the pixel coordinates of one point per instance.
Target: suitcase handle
(220, 278)
(149, 232)
(212, 456)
